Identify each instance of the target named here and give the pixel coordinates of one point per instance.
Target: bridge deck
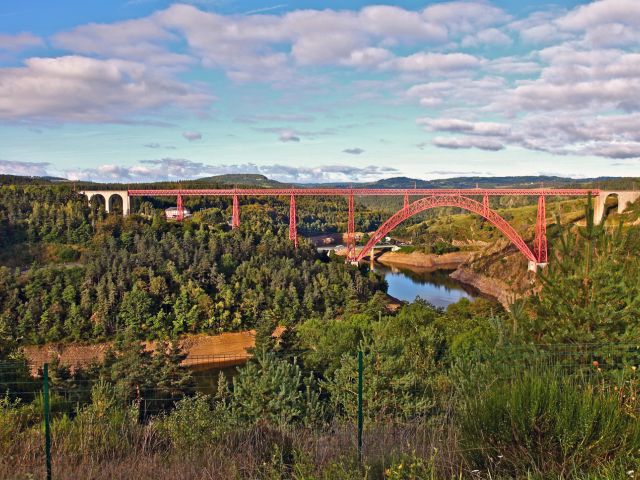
(308, 192)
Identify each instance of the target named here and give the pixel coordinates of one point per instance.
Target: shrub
(547, 424)
(193, 424)
(104, 429)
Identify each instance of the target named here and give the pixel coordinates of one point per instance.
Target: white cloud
(457, 125)
(616, 150)
(268, 47)
(465, 17)
(434, 62)
(468, 142)
(489, 36)
(85, 89)
(367, 57)
(19, 42)
(139, 40)
(31, 169)
(545, 99)
(392, 22)
(288, 136)
(602, 12)
(182, 169)
(192, 136)
(539, 28)
(353, 151)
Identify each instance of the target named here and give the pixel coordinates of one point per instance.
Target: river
(435, 287)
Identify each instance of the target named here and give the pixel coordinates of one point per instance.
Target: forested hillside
(107, 274)
(455, 393)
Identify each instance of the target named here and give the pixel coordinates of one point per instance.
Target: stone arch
(600, 202)
(98, 199)
(116, 203)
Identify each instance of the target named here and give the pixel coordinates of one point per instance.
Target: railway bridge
(415, 200)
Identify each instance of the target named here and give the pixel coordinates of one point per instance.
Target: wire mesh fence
(22, 385)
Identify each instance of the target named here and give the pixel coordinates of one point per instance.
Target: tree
(273, 390)
(135, 310)
(591, 290)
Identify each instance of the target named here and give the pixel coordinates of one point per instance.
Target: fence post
(360, 368)
(47, 428)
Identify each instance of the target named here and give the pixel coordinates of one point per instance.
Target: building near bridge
(172, 213)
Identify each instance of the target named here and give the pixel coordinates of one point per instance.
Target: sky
(319, 91)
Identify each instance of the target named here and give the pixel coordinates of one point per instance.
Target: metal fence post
(360, 368)
(47, 427)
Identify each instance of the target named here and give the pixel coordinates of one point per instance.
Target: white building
(172, 213)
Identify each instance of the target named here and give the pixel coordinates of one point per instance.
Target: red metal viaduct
(427, 198)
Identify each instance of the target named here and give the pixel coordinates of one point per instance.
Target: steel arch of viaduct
(465, 203)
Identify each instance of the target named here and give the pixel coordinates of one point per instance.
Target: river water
(435, 287)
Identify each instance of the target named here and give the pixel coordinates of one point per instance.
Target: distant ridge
(252, 179)
(533, 181)
(6, 179)
(261, 181)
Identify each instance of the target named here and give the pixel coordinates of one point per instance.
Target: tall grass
(548, 425)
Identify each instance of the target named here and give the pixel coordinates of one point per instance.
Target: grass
(549, 425)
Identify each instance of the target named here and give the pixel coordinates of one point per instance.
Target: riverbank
(456, 261)
(425, 261)
(486, 285)
(202, 350)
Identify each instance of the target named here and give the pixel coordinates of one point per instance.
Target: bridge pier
(351, 231)
(293, 222)
(235, 213)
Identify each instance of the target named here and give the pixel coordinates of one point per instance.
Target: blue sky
(143, 90)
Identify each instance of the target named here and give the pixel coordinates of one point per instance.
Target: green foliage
(591, 288)
(548, 424)
(326, 341)
(274, 390)
(194, 424)
(401, 356)
(441, 247)
(106, 427)
(155, 379)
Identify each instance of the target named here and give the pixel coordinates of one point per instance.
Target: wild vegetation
(548, 389)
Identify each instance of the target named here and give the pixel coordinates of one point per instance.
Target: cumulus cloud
(556, 71)
(434, 62)
(489, 36)
(31, 169)
(83, 89)
(602, 12)
(249, 47)
(138, 40)
(353, 151)
(465, 17)
(192, 136)
(615, 150)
